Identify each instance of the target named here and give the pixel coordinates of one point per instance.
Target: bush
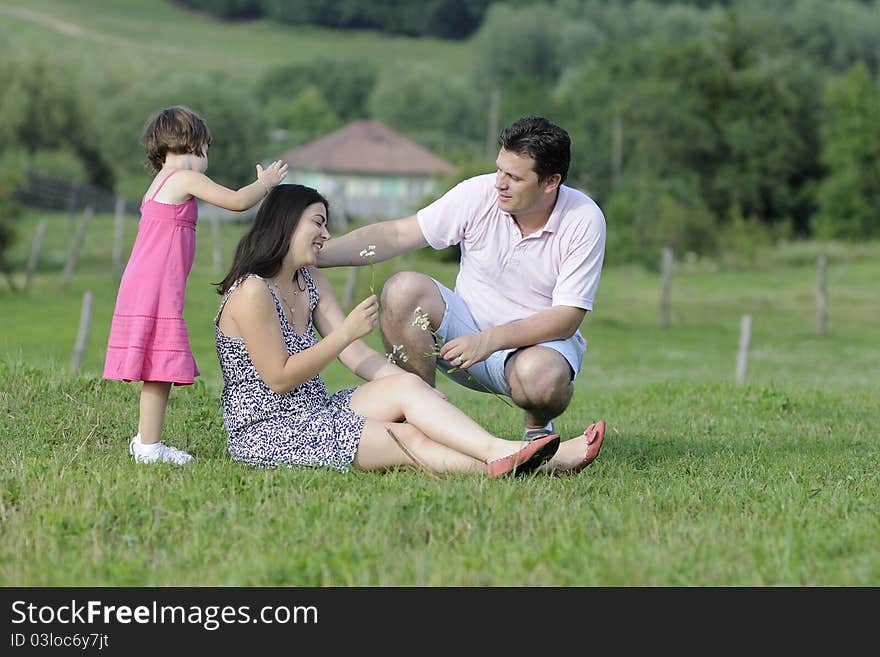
(344, 85)
(645, 216)
(9, 211)
(419, 100)
(306, 117)
(849, 196)
(44, 111)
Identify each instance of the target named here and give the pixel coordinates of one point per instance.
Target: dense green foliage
(706, 126)
(343, 87)
(43, 112)
(441, 18)
(850, 194)
(9, 212)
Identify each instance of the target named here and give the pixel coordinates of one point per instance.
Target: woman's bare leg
(407, 396)
(154, 401)
(377, 450)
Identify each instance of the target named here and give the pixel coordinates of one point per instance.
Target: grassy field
(153, 38)
(701, 481)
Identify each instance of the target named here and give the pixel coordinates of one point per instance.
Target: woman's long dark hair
(262, 249)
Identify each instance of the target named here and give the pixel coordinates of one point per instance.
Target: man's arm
(556, 323)
(389, 239)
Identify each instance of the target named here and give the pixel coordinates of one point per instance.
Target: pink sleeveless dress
(148, 337)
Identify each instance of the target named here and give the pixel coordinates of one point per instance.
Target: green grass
(155, 38)
(701, 481)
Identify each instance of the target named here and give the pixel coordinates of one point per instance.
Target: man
(531, 258)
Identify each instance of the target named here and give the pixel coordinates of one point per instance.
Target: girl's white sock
(144, 448)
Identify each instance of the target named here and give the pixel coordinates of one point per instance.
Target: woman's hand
(362, 319)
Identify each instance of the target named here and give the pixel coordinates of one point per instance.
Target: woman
(276, 407)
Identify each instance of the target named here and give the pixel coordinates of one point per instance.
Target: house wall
(369, 198)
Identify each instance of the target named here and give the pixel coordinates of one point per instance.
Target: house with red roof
(367, 171)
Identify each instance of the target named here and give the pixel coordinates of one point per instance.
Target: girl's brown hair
(174, 130)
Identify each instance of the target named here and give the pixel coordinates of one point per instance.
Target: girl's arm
(199, 185)
(365, 362)
(252, 310)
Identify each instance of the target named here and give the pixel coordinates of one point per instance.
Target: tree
(647, 214)
(746, 125)
(519, 42)
(441, 18)
(9, 212)
(849, 197)
(44, 111)
(432, 107)
(344, 84)
(305, 117)
(227, 8)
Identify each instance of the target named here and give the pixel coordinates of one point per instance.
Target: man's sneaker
(161, 453)
(531, 433)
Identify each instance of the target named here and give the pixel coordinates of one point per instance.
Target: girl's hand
(272, 175)
(362, 319)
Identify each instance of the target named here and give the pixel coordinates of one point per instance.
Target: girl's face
(309, 235)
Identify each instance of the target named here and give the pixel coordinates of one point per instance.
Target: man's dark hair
(543, 141)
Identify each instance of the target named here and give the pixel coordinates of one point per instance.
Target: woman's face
(309, 235)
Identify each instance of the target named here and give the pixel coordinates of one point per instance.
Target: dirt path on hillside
(45, 20)
(69, 29)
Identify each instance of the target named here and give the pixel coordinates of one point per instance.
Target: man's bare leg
(540, 383)
(402, 294)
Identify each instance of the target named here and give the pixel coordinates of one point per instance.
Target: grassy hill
(155, 37)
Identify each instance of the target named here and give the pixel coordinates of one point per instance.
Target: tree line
(445, 19)
(702, 126)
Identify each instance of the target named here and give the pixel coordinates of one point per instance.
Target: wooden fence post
(75, 247)
(821, 299)
(742, 358)
(664, 295)
(35, 251)
(218, 244)
(85, 323)
(117, 236)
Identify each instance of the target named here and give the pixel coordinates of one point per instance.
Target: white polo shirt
(505, 277)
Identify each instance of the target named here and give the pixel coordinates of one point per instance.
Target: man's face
(516, 182)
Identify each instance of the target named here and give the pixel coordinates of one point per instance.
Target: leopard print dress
(304, 426)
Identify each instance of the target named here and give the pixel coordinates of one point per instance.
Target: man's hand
(467, 350)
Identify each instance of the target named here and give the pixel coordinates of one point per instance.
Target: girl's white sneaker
(157, 453)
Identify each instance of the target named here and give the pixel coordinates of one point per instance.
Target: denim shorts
(489, 373)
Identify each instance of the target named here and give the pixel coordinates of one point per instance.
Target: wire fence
(47, 192)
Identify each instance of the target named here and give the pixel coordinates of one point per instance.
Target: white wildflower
(421, 319)
(397, 352)
(368, 254)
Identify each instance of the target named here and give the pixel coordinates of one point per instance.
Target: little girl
(148, 337)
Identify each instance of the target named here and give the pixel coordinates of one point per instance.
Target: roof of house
(366, 147)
